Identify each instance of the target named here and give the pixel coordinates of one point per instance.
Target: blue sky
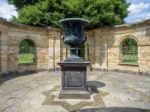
(139, 10)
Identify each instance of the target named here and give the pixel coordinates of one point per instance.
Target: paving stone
(27, 93)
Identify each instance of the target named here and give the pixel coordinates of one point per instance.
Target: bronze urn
(73, 69)
(74, 36)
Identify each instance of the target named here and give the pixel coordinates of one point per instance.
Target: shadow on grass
(113, 109)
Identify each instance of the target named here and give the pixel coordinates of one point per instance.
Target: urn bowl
(74, 31)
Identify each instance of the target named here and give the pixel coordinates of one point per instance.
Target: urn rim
(84, 21)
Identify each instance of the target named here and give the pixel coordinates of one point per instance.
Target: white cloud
(6, 10)
(138, 8)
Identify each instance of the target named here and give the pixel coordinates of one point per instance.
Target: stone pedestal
(73, 79)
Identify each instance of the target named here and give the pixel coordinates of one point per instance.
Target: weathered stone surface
(74, 94)
(102, 48)
(39, 93)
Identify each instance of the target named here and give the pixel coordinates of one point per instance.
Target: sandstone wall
(102, 47)
(10, 37)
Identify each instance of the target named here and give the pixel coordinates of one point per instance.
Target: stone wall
(102, 47)
(10, 37)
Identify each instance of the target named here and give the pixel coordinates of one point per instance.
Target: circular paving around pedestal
(110, 92)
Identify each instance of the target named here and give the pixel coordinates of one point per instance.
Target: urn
(74, 36)
(73, 69)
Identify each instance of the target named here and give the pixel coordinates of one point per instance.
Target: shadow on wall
(97, 46)
(108, 42)
(113, 109)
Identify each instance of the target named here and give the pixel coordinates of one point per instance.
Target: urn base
(74, 80)
(74, 94)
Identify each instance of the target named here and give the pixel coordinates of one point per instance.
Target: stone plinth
(73, 80)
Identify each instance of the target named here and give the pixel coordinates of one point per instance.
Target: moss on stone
(98, 100)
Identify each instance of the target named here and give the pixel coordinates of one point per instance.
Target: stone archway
(128, 51)
(27, 51)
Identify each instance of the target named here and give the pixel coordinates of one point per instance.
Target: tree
(49, 12)
(21, 3)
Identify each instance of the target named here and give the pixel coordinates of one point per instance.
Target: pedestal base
(73, 78)
(74, 94)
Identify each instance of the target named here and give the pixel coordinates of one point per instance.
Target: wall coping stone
(27, 27)
(49, 28)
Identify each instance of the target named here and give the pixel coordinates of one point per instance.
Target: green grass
(26, 58)
(29, 58)
(129, 59)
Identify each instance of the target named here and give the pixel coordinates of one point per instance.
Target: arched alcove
(27, 51)
(129, 51)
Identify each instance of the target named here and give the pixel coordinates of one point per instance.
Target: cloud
(6, 10)
(138, 10)
(137, 17)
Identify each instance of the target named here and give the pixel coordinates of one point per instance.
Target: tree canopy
(49, 12)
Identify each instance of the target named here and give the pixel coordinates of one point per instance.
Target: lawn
(26, 58)
(129, 59)
(29, 58)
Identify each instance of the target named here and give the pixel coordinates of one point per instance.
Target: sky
(6, 10)
(138, 10)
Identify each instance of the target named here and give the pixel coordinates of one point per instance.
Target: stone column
(0, 53)
(3, 52)
(57, 50)
(144, 58)
(54, 48)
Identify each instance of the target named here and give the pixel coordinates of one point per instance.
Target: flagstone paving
(110, 92)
